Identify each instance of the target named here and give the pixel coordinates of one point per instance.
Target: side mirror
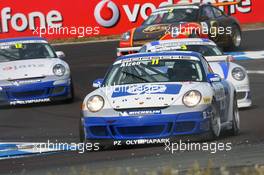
(98, 83)
(60, 54)
(213, 78)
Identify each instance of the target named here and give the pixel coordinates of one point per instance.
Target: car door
(221, 90)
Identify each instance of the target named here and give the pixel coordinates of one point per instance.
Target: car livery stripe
(147, 89)
(225, 68)
(194, 54)
(155, 43)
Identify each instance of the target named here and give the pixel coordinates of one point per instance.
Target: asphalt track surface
(59, 123)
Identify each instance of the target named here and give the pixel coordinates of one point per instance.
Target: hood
(149, 33)
(145, 95)
(26, 69)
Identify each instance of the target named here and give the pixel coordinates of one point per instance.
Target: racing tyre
(236, 119)
(235, 39)
(215, 123)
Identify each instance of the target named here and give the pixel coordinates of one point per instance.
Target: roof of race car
(160, 54)
(21, 39)
(182, 41)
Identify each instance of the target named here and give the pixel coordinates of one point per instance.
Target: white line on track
(261, 72)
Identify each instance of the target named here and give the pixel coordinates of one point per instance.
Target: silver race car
(218, 61)
(32, 72)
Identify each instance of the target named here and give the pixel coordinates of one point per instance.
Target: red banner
(84, 18)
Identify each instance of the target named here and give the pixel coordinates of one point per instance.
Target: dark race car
(185, 21)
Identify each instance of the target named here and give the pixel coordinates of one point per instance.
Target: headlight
(95, 103)
(59, 70)
(125, 36)
(238, 74)
(192, 98)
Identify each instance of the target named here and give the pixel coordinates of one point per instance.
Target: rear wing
(127, 50)
(225, 58)
(237, 2)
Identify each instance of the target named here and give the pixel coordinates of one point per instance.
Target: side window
(218, 13)
(208, 12)
(207, 67)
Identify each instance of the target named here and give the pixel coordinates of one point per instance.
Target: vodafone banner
(86, 18)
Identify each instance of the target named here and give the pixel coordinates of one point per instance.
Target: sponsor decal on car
(22, 102)
(146, 89)
(141, 142)
(140, 112)
(155, 28)
(16, 67)
(207, 100)
(23, 82)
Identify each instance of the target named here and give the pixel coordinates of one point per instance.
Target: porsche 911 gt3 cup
(219, 63)
(159, 95)
(32, 72)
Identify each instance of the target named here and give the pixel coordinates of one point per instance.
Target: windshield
(205, 50)
(24, 51)
(153, 71)
(172, 16)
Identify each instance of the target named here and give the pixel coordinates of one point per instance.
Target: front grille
(2, 96)
(241, 95)
(184, 126)
(58, 90)
(99, 131)
(27, 94)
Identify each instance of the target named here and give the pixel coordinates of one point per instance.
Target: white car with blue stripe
(218, 61)
(32, 72)
(157, 96)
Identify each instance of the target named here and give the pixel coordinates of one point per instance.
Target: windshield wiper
(133, 75)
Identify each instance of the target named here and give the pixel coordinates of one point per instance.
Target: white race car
(219, 63)
(32, 72)
(159, 95)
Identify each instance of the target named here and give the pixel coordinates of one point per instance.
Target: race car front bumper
(35, 92)
(146, 127)
(244, 99)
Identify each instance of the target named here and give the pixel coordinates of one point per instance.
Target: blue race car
(157, 96)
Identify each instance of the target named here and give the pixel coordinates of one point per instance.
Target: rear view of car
(32, 72)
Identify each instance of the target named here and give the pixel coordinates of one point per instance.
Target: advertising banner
(86, 18)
